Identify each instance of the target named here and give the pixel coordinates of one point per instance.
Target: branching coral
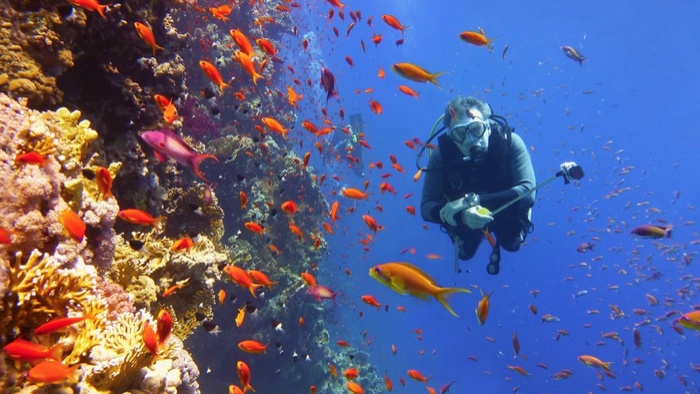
(42, 290)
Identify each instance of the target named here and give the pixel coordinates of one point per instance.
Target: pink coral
(118, 301)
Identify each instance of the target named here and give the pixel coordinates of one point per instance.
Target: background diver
(346, 144)
(480, 163)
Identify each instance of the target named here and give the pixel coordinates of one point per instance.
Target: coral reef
(47, 273)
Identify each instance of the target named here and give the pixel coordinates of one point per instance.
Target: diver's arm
(431, 199)
(523, 179)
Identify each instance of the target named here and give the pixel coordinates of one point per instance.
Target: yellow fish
(405, 278)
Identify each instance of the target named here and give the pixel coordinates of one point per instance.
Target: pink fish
(584, 246)
(328, 83)
(166, 144)
(321, 293)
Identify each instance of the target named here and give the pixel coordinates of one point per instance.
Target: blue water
(627, 115)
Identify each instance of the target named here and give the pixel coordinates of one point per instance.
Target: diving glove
(476, 217)
(448, 212)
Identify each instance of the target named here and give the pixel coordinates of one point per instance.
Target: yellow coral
(42, 291)
(73, 134)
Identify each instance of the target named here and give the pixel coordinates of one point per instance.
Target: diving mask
(472, 130)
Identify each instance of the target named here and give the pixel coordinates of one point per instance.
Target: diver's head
(467, 120)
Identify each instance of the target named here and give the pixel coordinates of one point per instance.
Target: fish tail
(433, 78)
(55, 353)
(74, 374)
(668, 231)
(248, 387)
(257, 76)
(252, 289)
(223, 85)
(445, 292)
(196, 160)
(101, 10)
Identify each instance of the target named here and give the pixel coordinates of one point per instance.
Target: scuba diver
(346, 142)
(481, 166)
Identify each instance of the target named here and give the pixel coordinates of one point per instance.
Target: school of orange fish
(403, 278)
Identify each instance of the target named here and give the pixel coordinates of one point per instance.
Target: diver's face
(470, 131)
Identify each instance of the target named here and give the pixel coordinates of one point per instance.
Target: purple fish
(166, 144)
(652, 232)
(321, 293)
(328, 83)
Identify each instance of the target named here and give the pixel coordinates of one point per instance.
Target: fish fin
(252, 288)
(398, 284)
(162, 157)
(444, 292)
(74, 373)
(668, 231)
(196, 160)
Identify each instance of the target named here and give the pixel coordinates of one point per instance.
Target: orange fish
(221, 12)
(243, 198)
(405, 278)
(354, 388)
(393, 22)
(244, 376)
(337, 4)
(247, 63)
(254, 227)
(333, 370)
(310, 127)
(260, 277)
(178, 285)
(241, 41)
(233, 389)
(164, 326)
(167, 107)
(343, 343)
(411, 210)
(222, 296)
(387, 383)
(275, 126)
(150, 339)
(295, 230)
(375, 107)
(147, 36)
(351, 373)
(91, 5)
(371, 223)
(213, 74)
(594, 362)
(73, 224)
(327, 227)
(416, 73)
(59, 324)
(21, 349)
(376, 39)
(241, 278)
(240, 316)
(266, 46)
(381, 73)
(103, 180)
(334, 211)
(293, 97)
(252, 346)
(309, 279)
(371, 301)
(31, 158)
(289, 207)
(477, 38)
(185, 243)
(51, 371)
(312, 389)
(406, 90)
(305, 161)
(137, 216)
(417, 376)
(482, 309)
(353, 193)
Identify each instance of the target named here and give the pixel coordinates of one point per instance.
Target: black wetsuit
(502, 174)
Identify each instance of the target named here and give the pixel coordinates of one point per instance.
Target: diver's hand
(448, 212)
(476, 217)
